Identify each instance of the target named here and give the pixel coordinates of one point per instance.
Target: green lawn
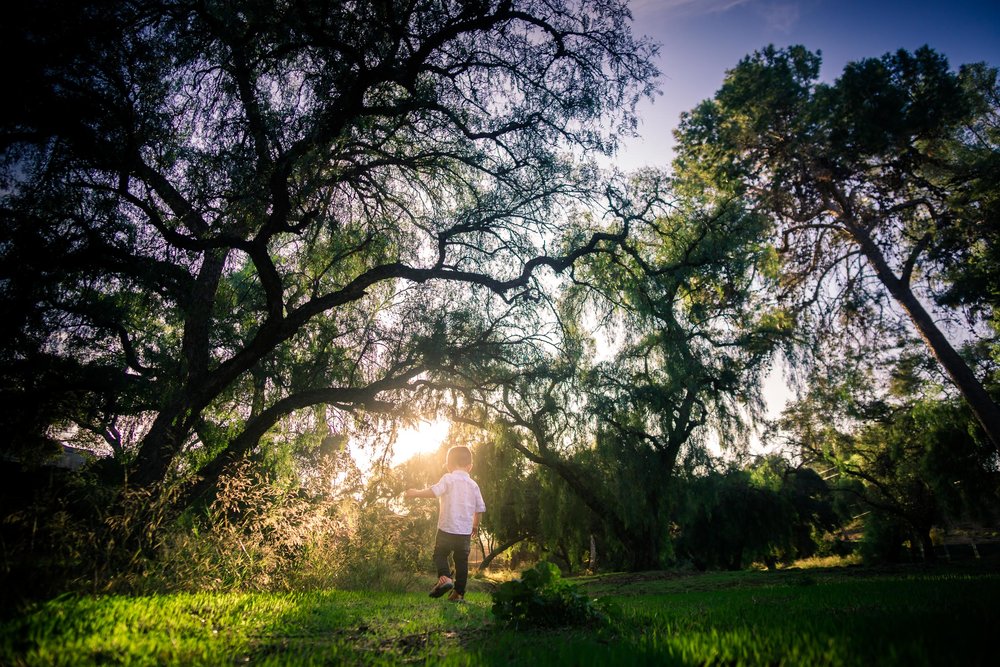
(908, 616)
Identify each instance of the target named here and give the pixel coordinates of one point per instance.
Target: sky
(701, 39)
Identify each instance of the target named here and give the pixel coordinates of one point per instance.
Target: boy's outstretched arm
(419, 493)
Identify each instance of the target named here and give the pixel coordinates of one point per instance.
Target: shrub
(252, 537)
(883, 539)
(370, 549)
(542, 598)
(259, 535)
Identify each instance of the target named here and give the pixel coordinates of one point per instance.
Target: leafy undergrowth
(542, 598)
(908, 616)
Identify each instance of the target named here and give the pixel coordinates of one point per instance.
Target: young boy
(460, 504)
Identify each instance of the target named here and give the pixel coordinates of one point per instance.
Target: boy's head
(459, 457)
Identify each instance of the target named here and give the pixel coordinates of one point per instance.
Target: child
(460, 504)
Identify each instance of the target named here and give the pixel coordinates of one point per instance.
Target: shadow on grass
(371, 629)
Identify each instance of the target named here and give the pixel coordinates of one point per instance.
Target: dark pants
(447, 544)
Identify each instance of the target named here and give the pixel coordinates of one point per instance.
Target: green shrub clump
(542, 598)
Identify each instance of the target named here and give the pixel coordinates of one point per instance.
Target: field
(848, 616)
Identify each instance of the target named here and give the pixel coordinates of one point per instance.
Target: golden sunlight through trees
(424, 437)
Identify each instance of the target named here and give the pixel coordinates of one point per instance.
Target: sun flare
(425, 437)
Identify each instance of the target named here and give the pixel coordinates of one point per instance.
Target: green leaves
(245, 211)
(888, 104)
(541, 598)
(868, 184)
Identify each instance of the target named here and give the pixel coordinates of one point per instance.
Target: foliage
(883, 538)
(868, 182)
(373, 549)
(970, 247)
(217, 218)
(65, 530)
(907, 461)
(767, 512)
(685, 299)
(514, 489)
(839, 617)
(256, 533)
(251, 537)
(542, 598)
(566, 526)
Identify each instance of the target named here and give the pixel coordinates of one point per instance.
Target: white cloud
(780, 17)
(684, 7)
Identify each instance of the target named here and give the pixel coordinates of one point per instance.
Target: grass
(844, 616)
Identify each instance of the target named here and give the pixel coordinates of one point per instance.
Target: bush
(252, 537)
(542, 598)
(883, 540)
(371, 549)
(259, 535)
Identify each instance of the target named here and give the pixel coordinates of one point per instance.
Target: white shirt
(459, 499)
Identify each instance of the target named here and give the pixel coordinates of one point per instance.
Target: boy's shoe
(441, 588)
(456, 597)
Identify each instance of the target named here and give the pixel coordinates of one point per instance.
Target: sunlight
(425, 437)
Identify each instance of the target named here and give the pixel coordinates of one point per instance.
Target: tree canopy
(911, 459)
(216, 214)
(870, 182)
(685, 298)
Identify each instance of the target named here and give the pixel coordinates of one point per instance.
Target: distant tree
(879, 183)
(217, 215)
(766, 512)
(815, 510)
(512, 486)
(917, 458)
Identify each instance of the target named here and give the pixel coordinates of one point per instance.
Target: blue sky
(701, 39)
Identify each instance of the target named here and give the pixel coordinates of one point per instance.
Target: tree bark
(158, 449)
(983, 407)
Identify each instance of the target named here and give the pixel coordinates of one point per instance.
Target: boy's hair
(459, 456)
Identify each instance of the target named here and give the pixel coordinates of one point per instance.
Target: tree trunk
(983, 407)
(157, 450)
(175, 421)
(643, 551)
(499, 550)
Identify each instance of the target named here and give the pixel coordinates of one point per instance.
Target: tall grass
(256, 533)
